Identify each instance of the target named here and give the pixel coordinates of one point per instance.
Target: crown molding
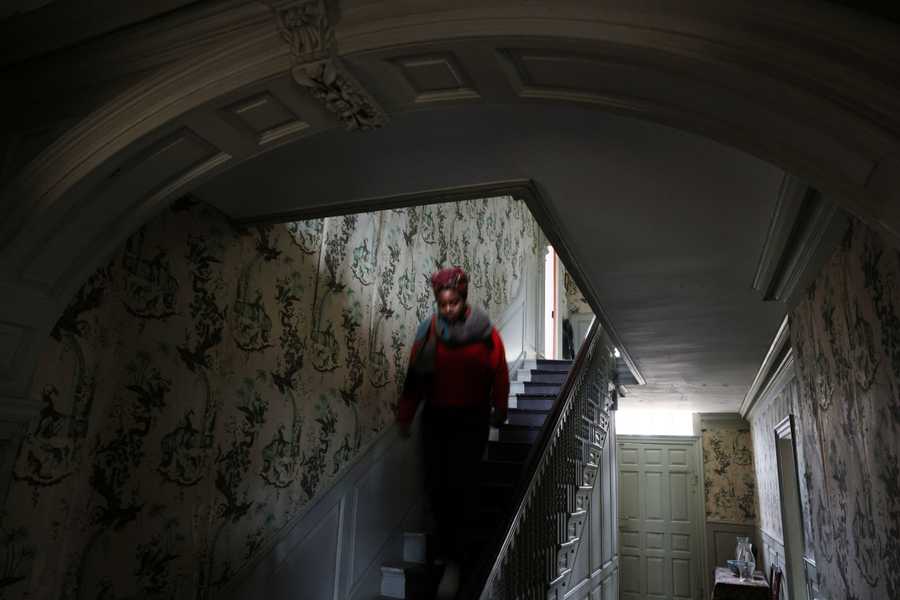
(804, 230)
(722, 417)
(776, 360)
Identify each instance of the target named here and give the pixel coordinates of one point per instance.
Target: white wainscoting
(772, 552)
(519, 325)
(334, 551)
(721, 543)
(596, 572)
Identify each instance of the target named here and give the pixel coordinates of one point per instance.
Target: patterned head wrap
(453, 278)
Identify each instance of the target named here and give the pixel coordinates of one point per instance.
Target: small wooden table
(729, 587)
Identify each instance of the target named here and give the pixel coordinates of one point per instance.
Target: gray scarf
(475, 326)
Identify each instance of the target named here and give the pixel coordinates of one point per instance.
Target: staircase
(532, 396)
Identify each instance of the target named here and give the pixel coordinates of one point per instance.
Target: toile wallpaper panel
(846, 339)
(209, 381)
(575, 300)
(729, 478)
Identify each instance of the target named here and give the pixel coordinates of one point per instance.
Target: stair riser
(548, 389)
(550, 378)
(509, 434)
(535, 403)
(543, 365)
(526, 418)
(559, 367)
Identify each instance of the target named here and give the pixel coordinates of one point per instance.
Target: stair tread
(530, 410)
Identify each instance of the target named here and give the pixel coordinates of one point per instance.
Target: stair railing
(534, 556)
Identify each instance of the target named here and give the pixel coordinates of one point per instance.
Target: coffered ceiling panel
(266, 116)
(436, 77)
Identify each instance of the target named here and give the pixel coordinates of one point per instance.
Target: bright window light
(654, 422)
(550, 304)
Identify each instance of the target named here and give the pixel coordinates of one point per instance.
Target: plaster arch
(809, 88)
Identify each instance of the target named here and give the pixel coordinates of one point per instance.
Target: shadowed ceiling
(667, 226)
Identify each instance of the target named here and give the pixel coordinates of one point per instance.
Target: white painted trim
(772, 362)
(341, 496)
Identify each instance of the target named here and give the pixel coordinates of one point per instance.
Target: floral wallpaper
(846, 338)
(210, 380)
(729, 478)
(575, 300)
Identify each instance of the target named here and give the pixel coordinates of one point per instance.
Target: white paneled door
(660, 518)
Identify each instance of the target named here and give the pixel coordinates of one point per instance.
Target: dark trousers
(454, 442)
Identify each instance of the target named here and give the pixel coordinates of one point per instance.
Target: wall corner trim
(804, 229)
(778, 354)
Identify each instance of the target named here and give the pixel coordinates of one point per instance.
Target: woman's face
(450, 304)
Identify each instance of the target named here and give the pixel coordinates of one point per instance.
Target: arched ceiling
(666, 226)
(162, 106)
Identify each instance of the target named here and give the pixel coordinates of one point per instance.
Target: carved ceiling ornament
(306, 28)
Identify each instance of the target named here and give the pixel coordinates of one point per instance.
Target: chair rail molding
(808, 87)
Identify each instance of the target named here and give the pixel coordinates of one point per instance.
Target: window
(654, 422)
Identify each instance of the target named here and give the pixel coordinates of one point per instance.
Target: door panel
(659, 518)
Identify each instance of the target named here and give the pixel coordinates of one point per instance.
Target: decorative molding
(436, 78)
(682, 440)
(265, 117)
(797, 241)
(305, 26)
(725, 417)
(779, 352)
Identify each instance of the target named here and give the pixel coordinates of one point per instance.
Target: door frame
(699, 504)
(794, 565)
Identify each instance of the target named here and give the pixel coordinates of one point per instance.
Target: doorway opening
(551, 304)
(798, 565)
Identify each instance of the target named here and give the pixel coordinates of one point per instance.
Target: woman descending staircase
(532, 396)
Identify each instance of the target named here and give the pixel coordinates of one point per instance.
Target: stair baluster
(534, 557)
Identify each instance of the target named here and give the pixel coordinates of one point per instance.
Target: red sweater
(470, 375)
